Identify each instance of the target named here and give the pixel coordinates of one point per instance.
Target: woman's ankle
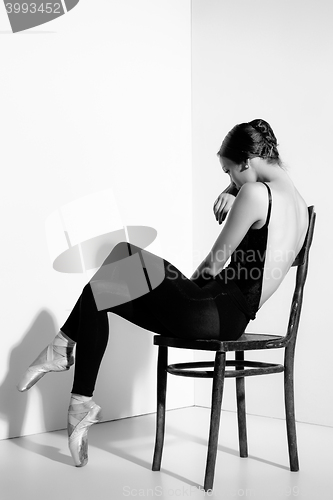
(65, 337)
(79, 398)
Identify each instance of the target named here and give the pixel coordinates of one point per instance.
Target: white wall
(98, 99)
(271, 59)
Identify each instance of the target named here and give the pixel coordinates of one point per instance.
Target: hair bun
(250, 140)
(265, 130)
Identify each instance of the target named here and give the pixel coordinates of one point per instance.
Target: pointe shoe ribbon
(36, 371)
(80, 417)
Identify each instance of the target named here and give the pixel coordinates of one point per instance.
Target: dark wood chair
(248, 341)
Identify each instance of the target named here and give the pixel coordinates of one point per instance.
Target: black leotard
(246, 270)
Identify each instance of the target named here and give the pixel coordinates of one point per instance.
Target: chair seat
(248, 341)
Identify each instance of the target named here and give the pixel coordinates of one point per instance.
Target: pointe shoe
(85, 414)
(43, 364)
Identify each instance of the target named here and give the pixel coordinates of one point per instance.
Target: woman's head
(250, 140)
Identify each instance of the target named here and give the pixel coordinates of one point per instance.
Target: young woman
(263, 233)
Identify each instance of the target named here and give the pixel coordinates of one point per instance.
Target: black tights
(151, 293)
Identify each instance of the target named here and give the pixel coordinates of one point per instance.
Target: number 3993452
(34, 8)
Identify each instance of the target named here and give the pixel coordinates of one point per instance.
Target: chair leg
(160, 413)
(290, 406)
(217, 393)
(241, 412)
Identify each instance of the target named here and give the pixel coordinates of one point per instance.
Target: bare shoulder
(253, 196)
(253, 189)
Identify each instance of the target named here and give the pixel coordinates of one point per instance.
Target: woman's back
(250, 157)
(286, 233)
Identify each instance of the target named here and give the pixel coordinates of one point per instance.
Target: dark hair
(250, 140)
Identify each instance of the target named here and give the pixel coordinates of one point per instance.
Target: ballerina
(264, 231)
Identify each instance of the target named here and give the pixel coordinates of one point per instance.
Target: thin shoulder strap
(269, 204)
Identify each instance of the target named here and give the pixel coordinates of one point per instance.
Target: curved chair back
(301, 262)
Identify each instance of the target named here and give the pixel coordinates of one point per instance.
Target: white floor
(39, 467)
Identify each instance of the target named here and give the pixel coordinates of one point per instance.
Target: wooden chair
(248, 341)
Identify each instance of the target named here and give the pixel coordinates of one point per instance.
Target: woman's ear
(244, 165)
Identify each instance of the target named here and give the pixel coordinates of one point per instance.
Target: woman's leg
(134, 289)
(177, 307)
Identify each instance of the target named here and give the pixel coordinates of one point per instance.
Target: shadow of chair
(248, 341)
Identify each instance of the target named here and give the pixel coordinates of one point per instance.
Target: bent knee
(121, 251)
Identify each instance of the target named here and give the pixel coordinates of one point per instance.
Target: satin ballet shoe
(83, 415)
(46, 363)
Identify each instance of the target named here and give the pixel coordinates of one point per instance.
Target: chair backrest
(301, 261)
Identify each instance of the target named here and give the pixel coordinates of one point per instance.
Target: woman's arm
(231, 189)
(249, 206)
(224, 202)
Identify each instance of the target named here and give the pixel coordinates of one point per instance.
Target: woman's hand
(224, 202)
(222, 205)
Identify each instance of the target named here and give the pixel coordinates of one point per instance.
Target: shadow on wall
(115, 378)
(13, 404)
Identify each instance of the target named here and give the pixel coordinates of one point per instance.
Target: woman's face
(239, 173)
